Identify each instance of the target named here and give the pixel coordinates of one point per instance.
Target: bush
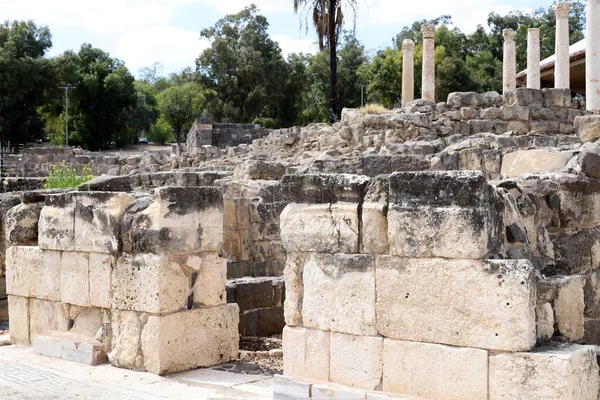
(267, 123)
(65, 176)
(373, 109)
(161, 132)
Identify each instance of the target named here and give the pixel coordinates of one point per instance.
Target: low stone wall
(205, 133)
(140, 273)
(385, 277)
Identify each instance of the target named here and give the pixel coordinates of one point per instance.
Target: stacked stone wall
(141, 274)
(385, 277)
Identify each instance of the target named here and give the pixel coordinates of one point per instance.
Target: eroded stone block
(565, 372)
(534, 161)
(18, 315)
(47, 315)
(209, 286)
(306, 353)
(356, 361)
(21, 223)
(469, 303)
(125, 342)
(74, 279)
(69, 346)
(31, 273)
(569, 307)
(100, 271)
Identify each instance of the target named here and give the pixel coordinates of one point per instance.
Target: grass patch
(373, 109)
(65, 176)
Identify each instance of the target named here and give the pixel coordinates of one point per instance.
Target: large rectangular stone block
(356, 361)
(210, 278)
(45, 315)
(18, 319)
(190, 339)
(324, 188)
(339, 293)
(56, 228)
(32, 273)
(565, 372)
(100, 272)
(75, 278)
(306, 353)
(322, 228)
(125, 349)
(450, 232)
(150, 283)
(489, 305)
(69, 346)
(180, 220)
(434, 371)
(294, 286)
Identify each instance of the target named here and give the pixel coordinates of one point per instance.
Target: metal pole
(66, 89)
(362, 95)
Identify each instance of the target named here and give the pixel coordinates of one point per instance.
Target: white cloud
(234, 6)
(174, 48)
(289, 45)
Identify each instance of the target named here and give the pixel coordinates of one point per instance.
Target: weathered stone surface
(569, 307)
(190, 339)
(47, 315)
(356, 361)
(32, 273)
(88, 321)
(587, 128)
(181, 220)
(534, 161)
(320, 228)
(332, 391)
(557, 97)
(292, 307)
(70, 346)
(125, 342)
(286, 388)
(108, 183)
(434, 371)
(489, 305)
(259, 170)
(374, 235)
(306, 353)
(100, 275)
(21, 223)
(544, 315)
(590, 164)
(150, 283)
(578, 253)
(74, 278)
(465, 99)
(592, 295)
(18, 314)
(563, 372)
(324, 188)
(211, 278)
(56, 226)
(339, 293)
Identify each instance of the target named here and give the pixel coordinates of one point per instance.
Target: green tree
(161, 132)
(145, 112)
(244, 72)
(25, 79)
(385, 78)
(328, 19)
(180, 105)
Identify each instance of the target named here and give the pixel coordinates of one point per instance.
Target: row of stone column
(561, 67)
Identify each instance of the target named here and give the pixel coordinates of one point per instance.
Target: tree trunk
(332, 39)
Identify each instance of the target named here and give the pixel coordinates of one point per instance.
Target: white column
(562, 76)
(408, 71)
(509, 62)
(428, 78)
(592, 56)
(533, 58)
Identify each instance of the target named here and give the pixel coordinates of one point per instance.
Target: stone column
(562, 76)
(408, 71)
(509, 62)
(428, 78)
(592, 56)
(533, 58)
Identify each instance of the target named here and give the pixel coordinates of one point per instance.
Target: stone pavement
(25, 375)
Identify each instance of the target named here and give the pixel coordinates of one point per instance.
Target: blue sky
(141, 32)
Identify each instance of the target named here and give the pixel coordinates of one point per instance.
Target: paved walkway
(25, 375)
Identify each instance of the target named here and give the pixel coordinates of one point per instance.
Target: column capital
(428, 31)
(534, 30)
(508, 35)
(408, 45)
(561, 9)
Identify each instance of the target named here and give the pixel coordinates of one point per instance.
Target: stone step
(70, 346)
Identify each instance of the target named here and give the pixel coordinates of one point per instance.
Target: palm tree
(328, 19)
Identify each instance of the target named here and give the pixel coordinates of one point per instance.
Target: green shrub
(267, 123)
(65, 176)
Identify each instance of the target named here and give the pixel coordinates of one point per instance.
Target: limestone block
(587, 128)
(286, 388)
(322, 228)
(32, 273)
(56, 228)
(21, 223)
(556, 97)
(209, 286)
(74, 279)
(69, 346)
(100, 271)
(150, 283)
(331, 391)
(465, 99)
(489, 305)
(88, 321)
(47, 315)
(565, 372)
(434, 371)
(339, 293)
(374, 235)
(294, 285)
(324, 188)
(544, 315)
(356, 361)
(125, 342)
(181, 220)
(190, 339)
(569, 307)
(592, 295)
(18, 319)
(534, 161)
(306, 353)
(448, 232)
(98, 218)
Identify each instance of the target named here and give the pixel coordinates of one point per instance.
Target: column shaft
(592, 56)
(562, 76)
(533, 58)
(428, 78)
(408, 71)
(509, 62)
